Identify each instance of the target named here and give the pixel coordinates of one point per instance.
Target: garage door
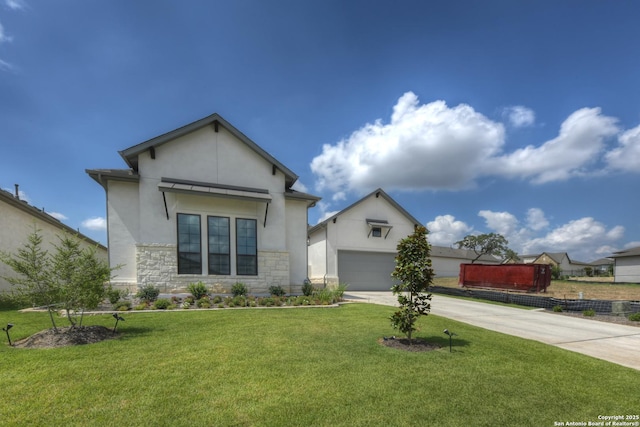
(366, 271)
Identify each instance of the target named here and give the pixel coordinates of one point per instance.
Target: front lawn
(308, 366)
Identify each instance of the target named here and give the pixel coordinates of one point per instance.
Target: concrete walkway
(608, 341)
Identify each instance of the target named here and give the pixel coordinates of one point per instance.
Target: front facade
(560, 260)
(205, 203)
(627, 265)
(358, 246)
(18, 220)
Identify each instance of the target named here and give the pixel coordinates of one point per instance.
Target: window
(219, 253)
(376, 232)
(246, 247)
(189, 249)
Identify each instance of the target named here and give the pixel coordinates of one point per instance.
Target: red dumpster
(515, 277)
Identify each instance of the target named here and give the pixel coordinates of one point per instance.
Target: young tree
(414, 272)
(33, 285)
(80, 276)
(485, 244)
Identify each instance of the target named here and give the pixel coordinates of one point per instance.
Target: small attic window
(377, 227)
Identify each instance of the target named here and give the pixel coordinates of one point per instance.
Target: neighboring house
(18, 220)
(602, 266)
(205, 203)
(627, 265)
(358, 245)
(567, 266)
(446, 261)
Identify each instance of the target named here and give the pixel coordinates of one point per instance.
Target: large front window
(189, 249)
(219, 253)
(246, 247)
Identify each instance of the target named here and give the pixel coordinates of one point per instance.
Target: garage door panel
(366, 271)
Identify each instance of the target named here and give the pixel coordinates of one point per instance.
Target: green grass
(311, 366)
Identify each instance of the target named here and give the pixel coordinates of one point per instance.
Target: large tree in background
(485, 244)
(413, 270)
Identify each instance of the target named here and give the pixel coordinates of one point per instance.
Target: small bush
(141, 306)
(635, 317)
(238, 301)
(204, 302)
(239, 289)
(557, 308)
(189, 300)
(589, 313)
(122, 305)
(307, 289)
(198, 290)
(161, 304)
(277, 291)
(217, 299)
(220, 305)
(185, 305)
(115, 295)
(148, 293)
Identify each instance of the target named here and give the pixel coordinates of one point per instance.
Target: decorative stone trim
(157, 265)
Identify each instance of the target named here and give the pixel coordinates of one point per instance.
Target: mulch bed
(66, 336)
(418, 344)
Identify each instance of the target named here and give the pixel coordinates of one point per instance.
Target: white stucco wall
(15, 227)
(141, 236)
(627, 269)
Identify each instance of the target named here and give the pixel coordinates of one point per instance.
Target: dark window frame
(376, 231)
(218, 255)
(246, 263)
(186, 265)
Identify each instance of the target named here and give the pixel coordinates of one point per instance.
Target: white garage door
(366, 271)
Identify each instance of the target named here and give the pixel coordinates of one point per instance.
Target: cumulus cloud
(58, 216)
(4, 38)
(580, 143)
(430, 146)
(299, 186)
(445, 230)
(15, 4)
(626, 157)
(536, 219)
(519, 116)
(96, 223)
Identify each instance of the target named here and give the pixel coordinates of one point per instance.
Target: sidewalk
(608, 341)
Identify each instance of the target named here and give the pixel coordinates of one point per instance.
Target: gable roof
(628, 252)
(36, 213)
(448, 252)
(130, 155)
(377, 193)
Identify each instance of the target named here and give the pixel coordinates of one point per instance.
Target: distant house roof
(40, 214)
(447, 252)
(627, 252)
(378, 193)
(602, 261)
(130, 155)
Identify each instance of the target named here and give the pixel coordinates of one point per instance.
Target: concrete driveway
(608, 341)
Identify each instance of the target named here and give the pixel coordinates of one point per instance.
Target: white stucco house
(19, 219)
(205, 203)
(358, 245)
(627, 265)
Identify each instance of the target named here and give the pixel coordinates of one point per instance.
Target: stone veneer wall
(330, 282)
(157, 265)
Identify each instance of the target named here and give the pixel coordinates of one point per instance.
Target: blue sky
(521, 118)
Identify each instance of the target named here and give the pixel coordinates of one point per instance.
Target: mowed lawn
(300, 367)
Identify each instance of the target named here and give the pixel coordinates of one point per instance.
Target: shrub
(589, 313)
(277, 291)
(217, 299)
(115, 295)
(189, 300)
(307, 289)
(203, 302)
(239, 289)
(324, 296)
(635, 317)
(238, 301)
(198, 290)
(148, 293)
(338, 292)
(141, 306)
(557, 308)
(122, 305)
(185, 305)
(162, 304)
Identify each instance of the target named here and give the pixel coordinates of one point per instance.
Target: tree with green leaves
(32, 285)
(485, 244)
(415, 275)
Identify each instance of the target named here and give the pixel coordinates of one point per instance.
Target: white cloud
(580, 143)
(96, 223)
(626, 156)
(519, 116)
(501, 222)
(4, 38)
(536, 219)
(16, 4)
(429, 146)
(58, 216)
(299, 186)
(444, 230)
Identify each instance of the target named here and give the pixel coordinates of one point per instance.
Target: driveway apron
(608, 341)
